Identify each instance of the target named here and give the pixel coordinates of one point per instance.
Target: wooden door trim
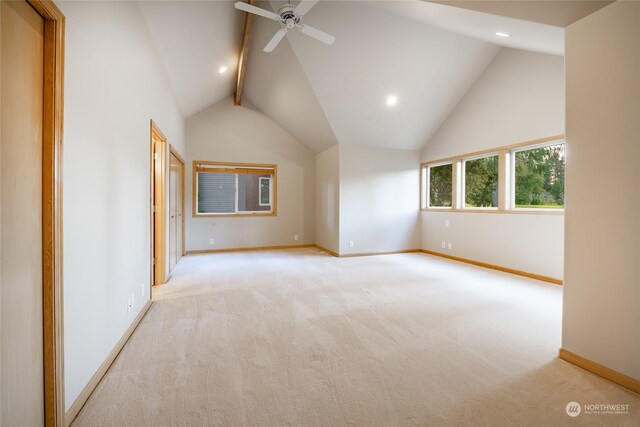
(53, 332)
(175, 152)
(158, 226)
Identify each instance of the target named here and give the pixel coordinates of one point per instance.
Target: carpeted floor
(300, 338)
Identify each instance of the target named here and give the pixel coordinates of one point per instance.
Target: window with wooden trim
(538, 175)
(523, 177)
(439, 185)
(227, 189)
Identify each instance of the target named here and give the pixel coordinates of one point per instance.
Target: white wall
(226, 133)
(514, 240)
(379, 207)
(601, 313)
(113, 87)
(520, 97)
(328, 199)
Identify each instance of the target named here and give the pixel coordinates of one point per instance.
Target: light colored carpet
(300, 338)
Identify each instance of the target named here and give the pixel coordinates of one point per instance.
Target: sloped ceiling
(325, 95)
(524, 35)
(278, 86)
(377, 54)
(559, 13)
(194, 39)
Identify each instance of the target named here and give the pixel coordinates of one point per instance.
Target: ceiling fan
(289, 17)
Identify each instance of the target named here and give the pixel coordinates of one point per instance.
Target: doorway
(176, 207)
(158, 191)
(31, 48)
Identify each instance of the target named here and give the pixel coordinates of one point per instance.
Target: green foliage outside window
(481, 182)
(440, 185)
(539, 177)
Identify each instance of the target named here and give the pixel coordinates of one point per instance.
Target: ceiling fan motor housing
(288, 16)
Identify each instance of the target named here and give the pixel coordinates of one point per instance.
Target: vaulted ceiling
(427, 55)
(377, 55)
(277, 84)
(194, 39)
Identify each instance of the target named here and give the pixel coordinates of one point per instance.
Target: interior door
(21, 133)
(179, 210)
(159, 186)
(174, 172)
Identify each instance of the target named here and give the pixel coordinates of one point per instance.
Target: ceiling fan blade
(256, 10)
(305, 6)
(317, 34)
(275, 40)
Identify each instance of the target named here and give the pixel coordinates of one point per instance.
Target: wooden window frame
(425, 179)
(506, 179)
(234, 167)
(462, 189)
(512, 176)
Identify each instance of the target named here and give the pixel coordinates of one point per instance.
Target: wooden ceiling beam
(244, 53)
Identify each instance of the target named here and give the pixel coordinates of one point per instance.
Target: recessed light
(502, 35)
(392, 100)
(222, 69)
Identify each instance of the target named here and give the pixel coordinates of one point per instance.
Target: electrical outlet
(450, 246)
(444, 245)
(295, 237)
(446, 222)
(350, 243)
(211, 241)
(142, 290)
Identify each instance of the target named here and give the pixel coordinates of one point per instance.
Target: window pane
(265, 191)
(481, 182)
(242, 192)
(440, 185)
(216, 193)
(249, 193)
(539, 178)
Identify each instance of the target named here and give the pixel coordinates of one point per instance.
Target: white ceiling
(377, 54)
(426, 54)
(193, 39)
(482, 26)
(278, 86)
(559, 13)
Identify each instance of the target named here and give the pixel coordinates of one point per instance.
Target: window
(539, 177)
(440, 186)
(527, 176)
(481, 182)
(265, 191)
(233, 189)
